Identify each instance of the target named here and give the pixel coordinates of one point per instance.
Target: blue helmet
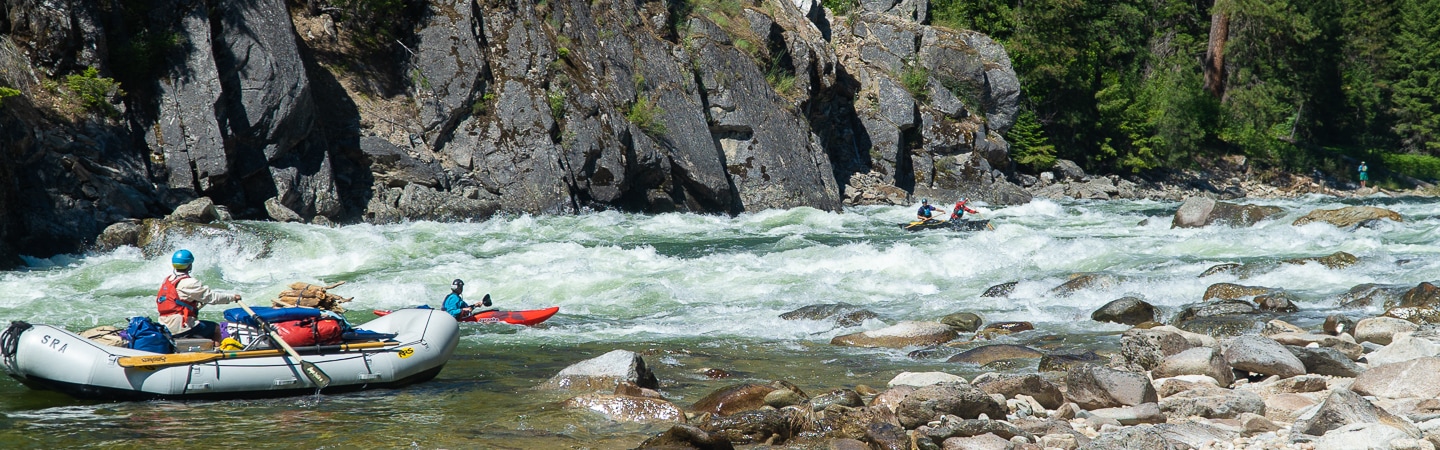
(182, 259)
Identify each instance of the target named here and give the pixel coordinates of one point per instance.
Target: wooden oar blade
(316, 376)
(175, 359)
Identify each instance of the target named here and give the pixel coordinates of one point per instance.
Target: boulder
(1343, 407)
(1422, 295)
(1063, 360)
(840, 397)
(1139, 437)
(1404, 347)
(987, 354)
(924, 379)
(1000, 290)
(1212, 403)
(1360, 436)
(200, 210)
(844, 314)
(1125, 310)
(1086, 280)
(1368, 294)
(735, 398)
(1325, 361)
(1408, 379)
(603, 373)
(754, 426)
(622, 408)
(1232, 291)
(1093, 387)
(1348, 217)
(1225, 325)
(1287, 407)
(1197, 212)
(903, 334)
(1343, 343)
(1130, 415)
(1337, 260)
(687, 437)
(964, 322)
(1042, 390)
(1381, 330)
(1143, 350)
(1262, 355)
(929, 403)
(1205, 361)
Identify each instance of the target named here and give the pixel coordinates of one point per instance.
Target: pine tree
(1417, 89)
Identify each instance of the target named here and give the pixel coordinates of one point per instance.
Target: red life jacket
(168, 300)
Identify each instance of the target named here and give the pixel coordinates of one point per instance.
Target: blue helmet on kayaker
(924, 201)
(182, 259)
(457, 286)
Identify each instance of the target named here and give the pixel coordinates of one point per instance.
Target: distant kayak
(952, 224)
(523, 317)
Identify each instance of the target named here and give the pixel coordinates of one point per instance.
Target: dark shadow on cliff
(833, 118)
(338, 125)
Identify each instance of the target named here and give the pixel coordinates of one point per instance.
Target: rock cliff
(459, 109)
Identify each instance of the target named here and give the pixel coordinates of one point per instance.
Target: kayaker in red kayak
(456, 306)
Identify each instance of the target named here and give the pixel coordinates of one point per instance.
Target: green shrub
(482, 104)
(6, 92)
(556, 99)
(916, 79)
(840, 7)
(93, 91)
(1424, 167)
(646, 115)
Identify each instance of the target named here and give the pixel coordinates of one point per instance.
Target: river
(689, 292)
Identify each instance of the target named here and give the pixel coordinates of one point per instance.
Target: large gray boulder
(1093, 387)
(604, 373)
(929, 403)
(1197, 212)
(1410, 379)
(1262, 355)
(1343, 407)
(1207, 361)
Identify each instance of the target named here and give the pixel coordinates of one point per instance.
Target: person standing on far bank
(1364, 174)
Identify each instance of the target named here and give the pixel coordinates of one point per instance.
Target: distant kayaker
(926, 210)
(961, 209)
(455, 305)
(181, 297)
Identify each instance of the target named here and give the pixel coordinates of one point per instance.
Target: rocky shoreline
(1228, 371)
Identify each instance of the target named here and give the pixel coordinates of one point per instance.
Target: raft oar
(176, 359)
(312, 371)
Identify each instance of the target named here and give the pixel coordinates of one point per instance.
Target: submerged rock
(1000, 290)
(903, 334)
(987, 354)
(1348, 217)
(844, 314)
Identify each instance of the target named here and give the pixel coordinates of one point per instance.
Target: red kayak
(525, 317)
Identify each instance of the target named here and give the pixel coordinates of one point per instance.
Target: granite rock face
(478, 108)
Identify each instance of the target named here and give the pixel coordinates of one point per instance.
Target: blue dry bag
(149, 336)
